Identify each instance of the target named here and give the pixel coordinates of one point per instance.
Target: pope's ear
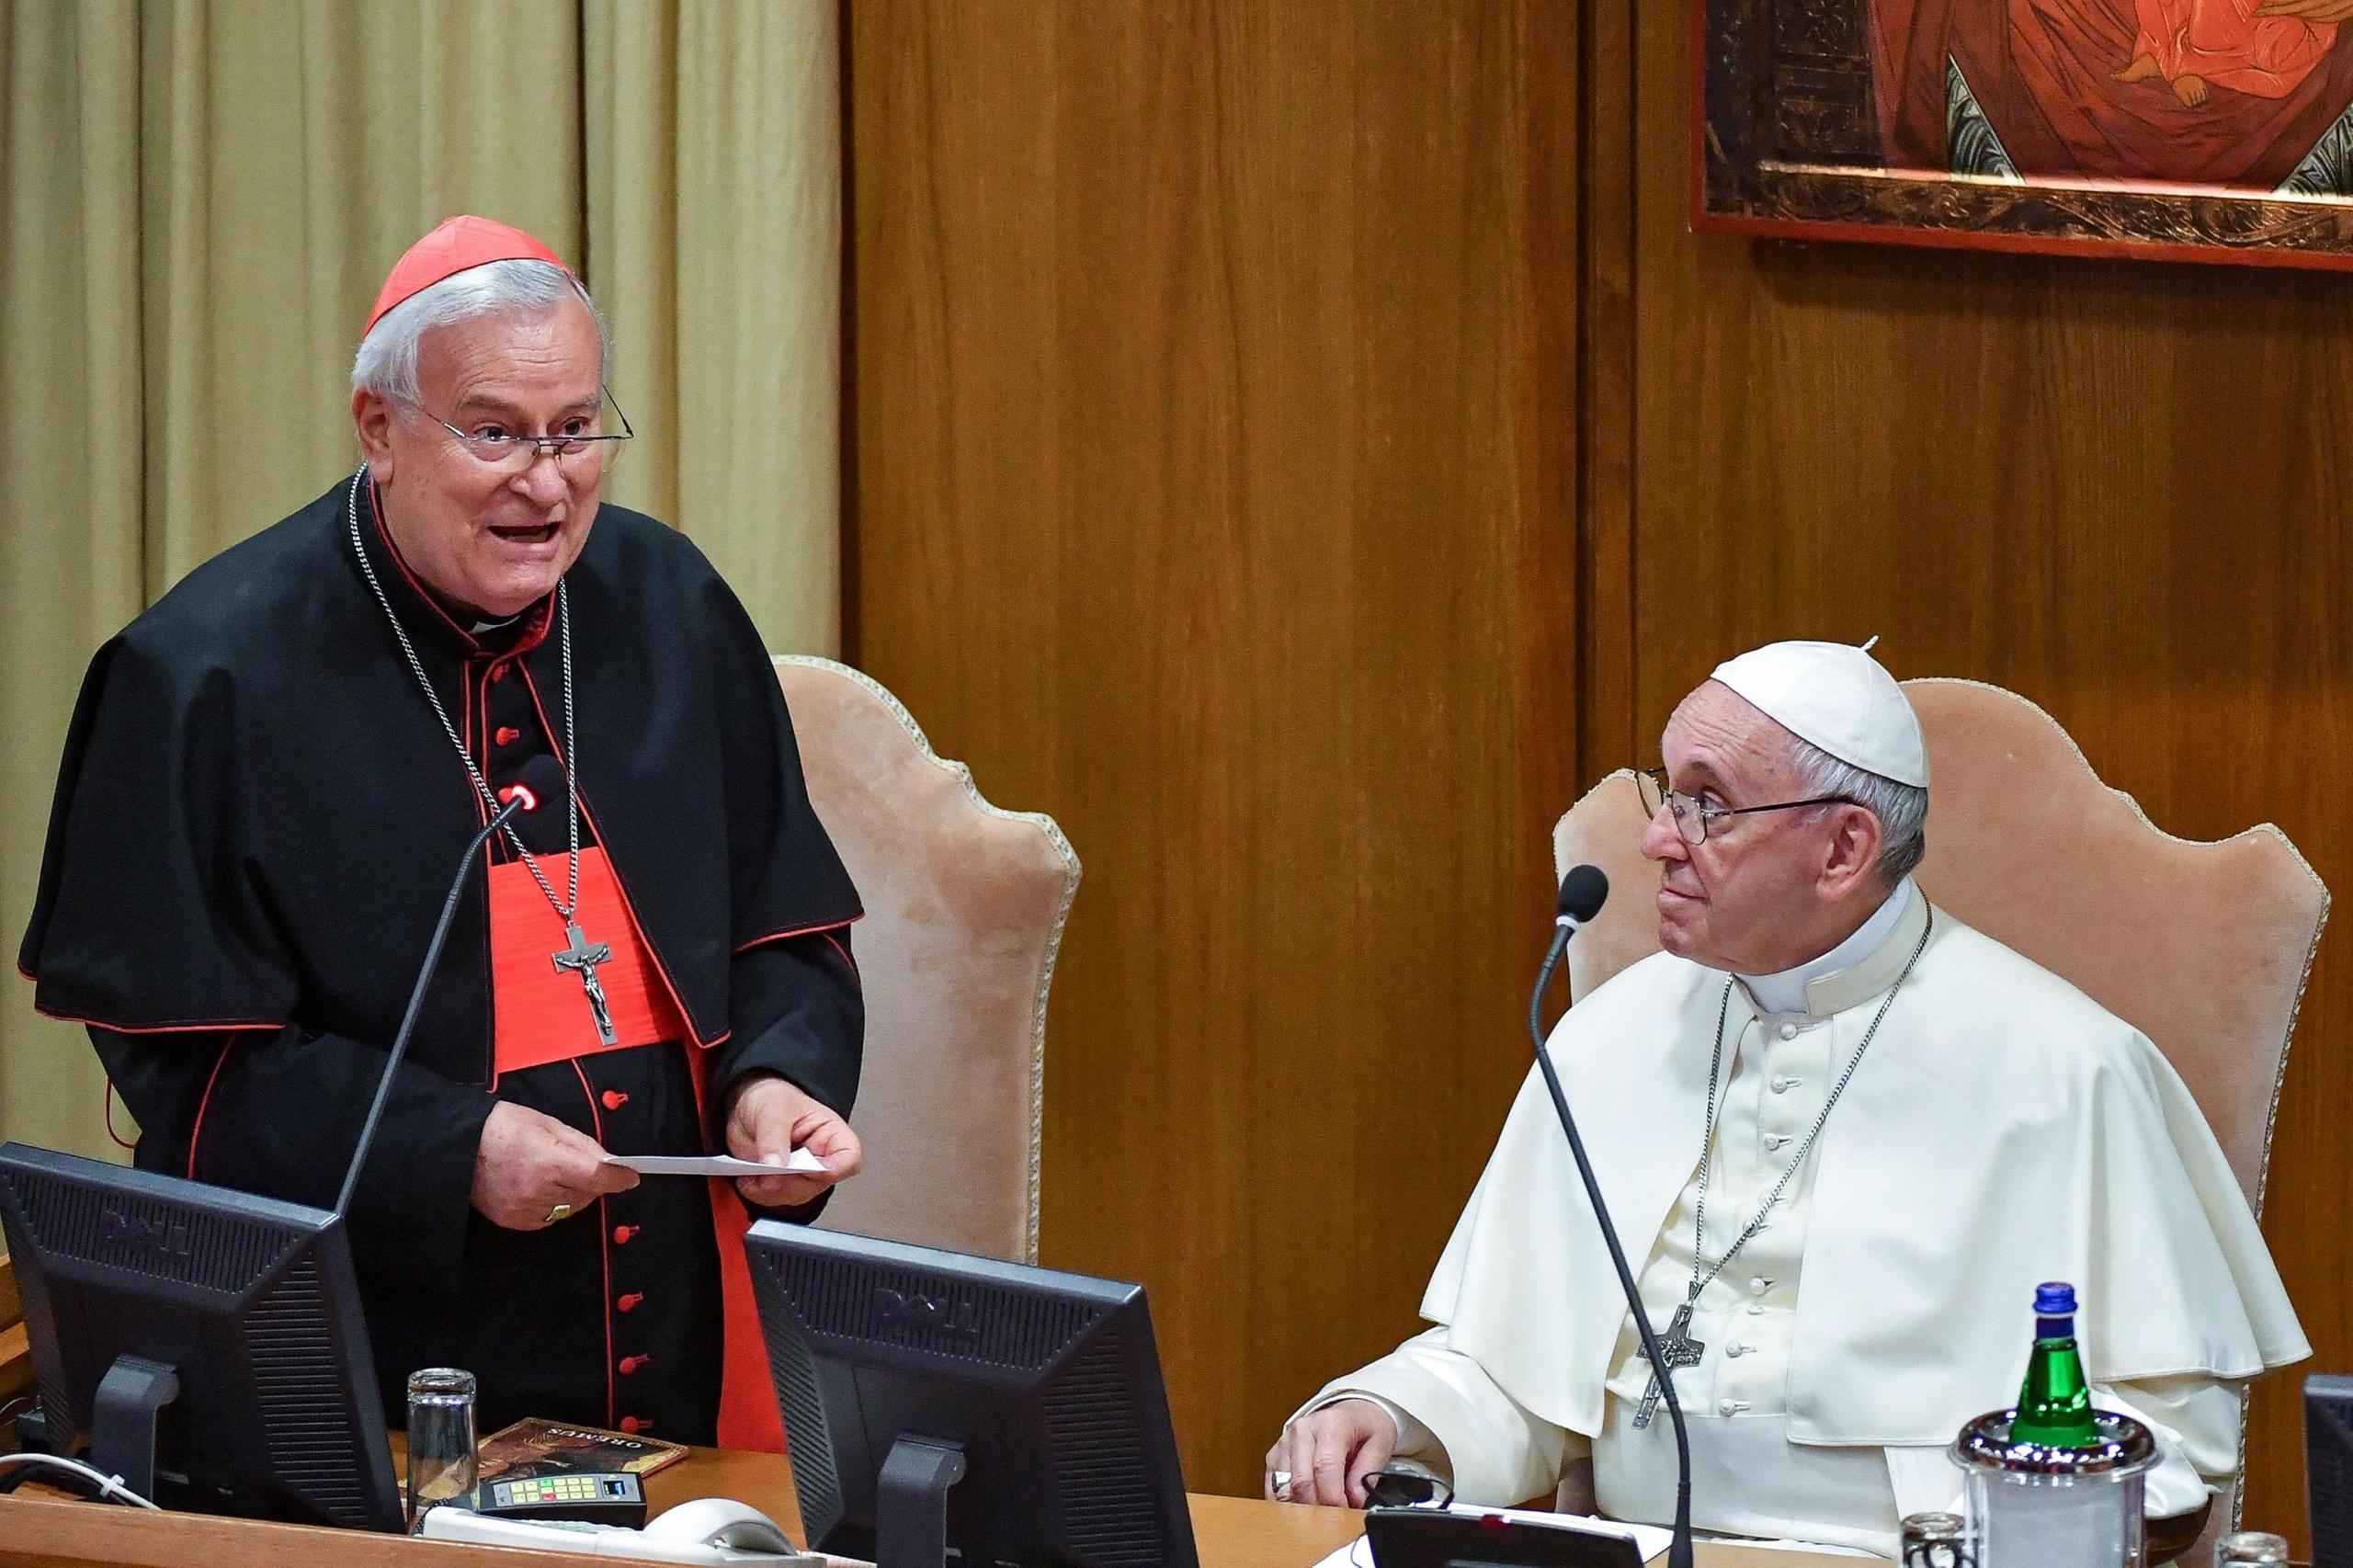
(1855, 840)
(371, 417)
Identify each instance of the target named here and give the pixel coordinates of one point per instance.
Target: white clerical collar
(1850, 973)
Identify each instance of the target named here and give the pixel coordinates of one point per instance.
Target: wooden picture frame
(2044, 126)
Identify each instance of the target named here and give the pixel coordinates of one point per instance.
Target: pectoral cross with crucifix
(584, 959)
(1678, 1349)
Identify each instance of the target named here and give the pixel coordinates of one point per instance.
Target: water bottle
(2055, 1404)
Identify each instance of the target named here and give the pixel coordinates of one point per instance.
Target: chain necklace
(578, 955)
(1678, 1349)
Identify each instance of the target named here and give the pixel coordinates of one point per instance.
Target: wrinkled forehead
(539, 349)
(1717, 728)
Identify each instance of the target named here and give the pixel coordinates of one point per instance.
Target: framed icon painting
(2199, 130)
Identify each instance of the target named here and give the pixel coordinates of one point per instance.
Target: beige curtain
(200, 203)
(699, 112)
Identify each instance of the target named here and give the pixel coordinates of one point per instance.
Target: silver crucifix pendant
(1680, 1350)
(584, 958)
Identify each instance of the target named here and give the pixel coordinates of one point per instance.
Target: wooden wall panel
(2120, 489)
(1296, 444)
(1213, 489)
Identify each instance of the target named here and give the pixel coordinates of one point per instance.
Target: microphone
(1583, 893)
(417, 1000)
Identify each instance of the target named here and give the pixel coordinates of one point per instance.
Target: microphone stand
(1678, 1555)
(417, 1003)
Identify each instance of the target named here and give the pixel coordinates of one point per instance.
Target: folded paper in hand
(802, 1162)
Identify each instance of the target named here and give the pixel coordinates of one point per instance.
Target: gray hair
(1902, 809)
(386, 363)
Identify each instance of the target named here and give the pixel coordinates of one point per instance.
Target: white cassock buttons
(1784, 1086)
(1731, 1406)
(1789, 1032)
(1758, 1285)
(1773, 1141)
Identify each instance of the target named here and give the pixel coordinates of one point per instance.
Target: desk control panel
(614, 1497)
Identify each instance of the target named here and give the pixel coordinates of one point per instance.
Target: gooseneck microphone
(1583, 893)
(416, 1000)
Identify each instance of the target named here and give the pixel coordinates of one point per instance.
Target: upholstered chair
(964, 910)
(2028, 845)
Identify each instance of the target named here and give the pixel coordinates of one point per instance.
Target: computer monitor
(208, 1343)
(2328, 1468)
(938, 1404)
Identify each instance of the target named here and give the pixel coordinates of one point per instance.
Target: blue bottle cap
(2053, 1298)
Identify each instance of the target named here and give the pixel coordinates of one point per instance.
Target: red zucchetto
(456, 245)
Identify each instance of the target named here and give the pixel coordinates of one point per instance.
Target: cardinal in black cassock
(269, 781)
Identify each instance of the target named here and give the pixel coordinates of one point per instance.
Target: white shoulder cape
(2003, 1129)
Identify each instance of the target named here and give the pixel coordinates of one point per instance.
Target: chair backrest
(964, 911)
(16, 1343)
(2028, 845)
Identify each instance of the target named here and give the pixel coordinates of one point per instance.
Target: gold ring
(561, 1211)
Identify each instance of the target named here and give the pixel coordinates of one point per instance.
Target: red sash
(541, 1013)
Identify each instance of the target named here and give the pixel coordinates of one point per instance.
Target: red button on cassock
(622, 1234)
(628, 1304)
(507, 735)
(633, 1425)
(614, 1099)
(630, 1364)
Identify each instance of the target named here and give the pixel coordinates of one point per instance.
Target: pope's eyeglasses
(1388, 1488)
(1692, 816)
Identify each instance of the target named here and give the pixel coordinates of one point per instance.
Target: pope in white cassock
(1850, 1135)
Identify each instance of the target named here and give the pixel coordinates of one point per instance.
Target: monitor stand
(122, 1420)
(911, 1504)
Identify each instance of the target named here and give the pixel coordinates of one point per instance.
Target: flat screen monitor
(941, 1406)
(2328, 1468)
(207, 1344)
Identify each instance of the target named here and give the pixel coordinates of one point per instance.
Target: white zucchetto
(1838, 698)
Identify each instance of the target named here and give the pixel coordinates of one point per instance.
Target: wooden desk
(54, 1532)
(1229, 1532)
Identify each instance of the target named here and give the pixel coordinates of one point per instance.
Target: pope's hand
(770, 1118)
(1328, 1453)
(531, 1170)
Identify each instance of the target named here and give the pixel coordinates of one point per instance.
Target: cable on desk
(110, 1487)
